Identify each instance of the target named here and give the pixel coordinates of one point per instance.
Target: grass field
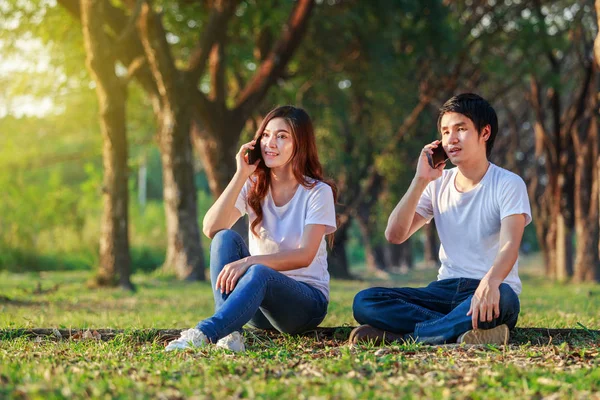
(132, 364)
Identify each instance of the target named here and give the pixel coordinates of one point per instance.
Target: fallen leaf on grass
(382, 352)
(309, 370)
(548, 382)
(87, 335)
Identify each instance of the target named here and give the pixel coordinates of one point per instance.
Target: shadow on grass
(330, 336)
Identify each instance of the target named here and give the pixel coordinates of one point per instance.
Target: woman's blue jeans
(262, 297)
(434, 314)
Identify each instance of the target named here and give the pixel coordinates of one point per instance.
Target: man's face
(461, 140)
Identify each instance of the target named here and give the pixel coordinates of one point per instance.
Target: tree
(114, 241)
(183, 109)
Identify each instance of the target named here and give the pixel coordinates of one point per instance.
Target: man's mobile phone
(438, 157)
(255, 154)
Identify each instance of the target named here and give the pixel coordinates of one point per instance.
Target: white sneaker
(234, 342)
(189, 339)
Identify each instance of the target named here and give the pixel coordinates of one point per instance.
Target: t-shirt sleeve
(242, 201)
(513, 198)
(321, 208)
(425, 205)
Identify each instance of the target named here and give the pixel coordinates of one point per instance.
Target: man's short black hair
(478, 110)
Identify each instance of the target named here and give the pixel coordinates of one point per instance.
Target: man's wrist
(492, 281)
(420, 183)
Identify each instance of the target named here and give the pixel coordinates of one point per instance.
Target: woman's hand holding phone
(243, 166)
(424, 169)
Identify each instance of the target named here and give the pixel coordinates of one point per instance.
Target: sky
(30, 59)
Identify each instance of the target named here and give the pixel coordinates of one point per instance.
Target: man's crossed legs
(435, 314)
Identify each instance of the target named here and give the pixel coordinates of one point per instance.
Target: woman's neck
(283, 176)
(283, 186)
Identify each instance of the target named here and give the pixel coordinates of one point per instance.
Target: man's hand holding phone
(244, 167)
(431, 161)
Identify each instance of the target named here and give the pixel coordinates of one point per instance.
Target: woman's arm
(282, 261)
(223, 214)
(297, 258)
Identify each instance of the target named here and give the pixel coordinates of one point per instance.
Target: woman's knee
(257, 271)
(224, 242)
(225, 236)
(292, 327)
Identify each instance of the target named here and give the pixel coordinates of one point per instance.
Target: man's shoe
(497, 335)
(367, 333)
(189, 339)
(234, 342)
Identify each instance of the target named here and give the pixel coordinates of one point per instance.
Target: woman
(281, 282)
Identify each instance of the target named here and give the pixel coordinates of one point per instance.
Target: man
(480, 212)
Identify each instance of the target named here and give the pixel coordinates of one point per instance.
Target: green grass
(134, 365)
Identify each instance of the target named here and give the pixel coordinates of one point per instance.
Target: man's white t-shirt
(468, 223)
(282, 228)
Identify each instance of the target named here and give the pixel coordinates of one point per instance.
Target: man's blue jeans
(262, 297)
(434, 314)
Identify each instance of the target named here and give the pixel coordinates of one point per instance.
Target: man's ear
(486, 132)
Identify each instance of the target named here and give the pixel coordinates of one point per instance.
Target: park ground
(122, 354)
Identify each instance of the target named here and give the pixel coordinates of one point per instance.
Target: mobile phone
(439, 156)
(255, 154)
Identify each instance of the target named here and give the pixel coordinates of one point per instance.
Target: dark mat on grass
(332, 335)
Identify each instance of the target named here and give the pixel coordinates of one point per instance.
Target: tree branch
(128, 49)
(132, 21)
(217, 73)
(277, 59)
(214, 32)
(158, 53)
(372, 173)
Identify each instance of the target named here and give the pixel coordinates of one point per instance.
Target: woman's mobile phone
(255, 154)
(438, 157)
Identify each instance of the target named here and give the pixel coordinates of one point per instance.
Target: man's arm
(404, 220)
(485, 305)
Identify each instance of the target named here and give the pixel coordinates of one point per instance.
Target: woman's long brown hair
(305, 160)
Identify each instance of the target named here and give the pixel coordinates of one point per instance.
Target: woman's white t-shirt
(282, 228)
(468, 223)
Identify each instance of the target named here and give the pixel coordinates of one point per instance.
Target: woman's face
(277, 143)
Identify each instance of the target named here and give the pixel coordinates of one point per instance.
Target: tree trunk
(114, 240)
(370, 259)
(566, 217)
(336, 259)
(185, 257)
(587, 225)
(379, 257)
(432, 244)
(184, 250)
(399, 256)
(564, 249)
(587, 263)
(217, 147)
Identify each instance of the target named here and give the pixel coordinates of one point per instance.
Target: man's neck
(470, 175)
